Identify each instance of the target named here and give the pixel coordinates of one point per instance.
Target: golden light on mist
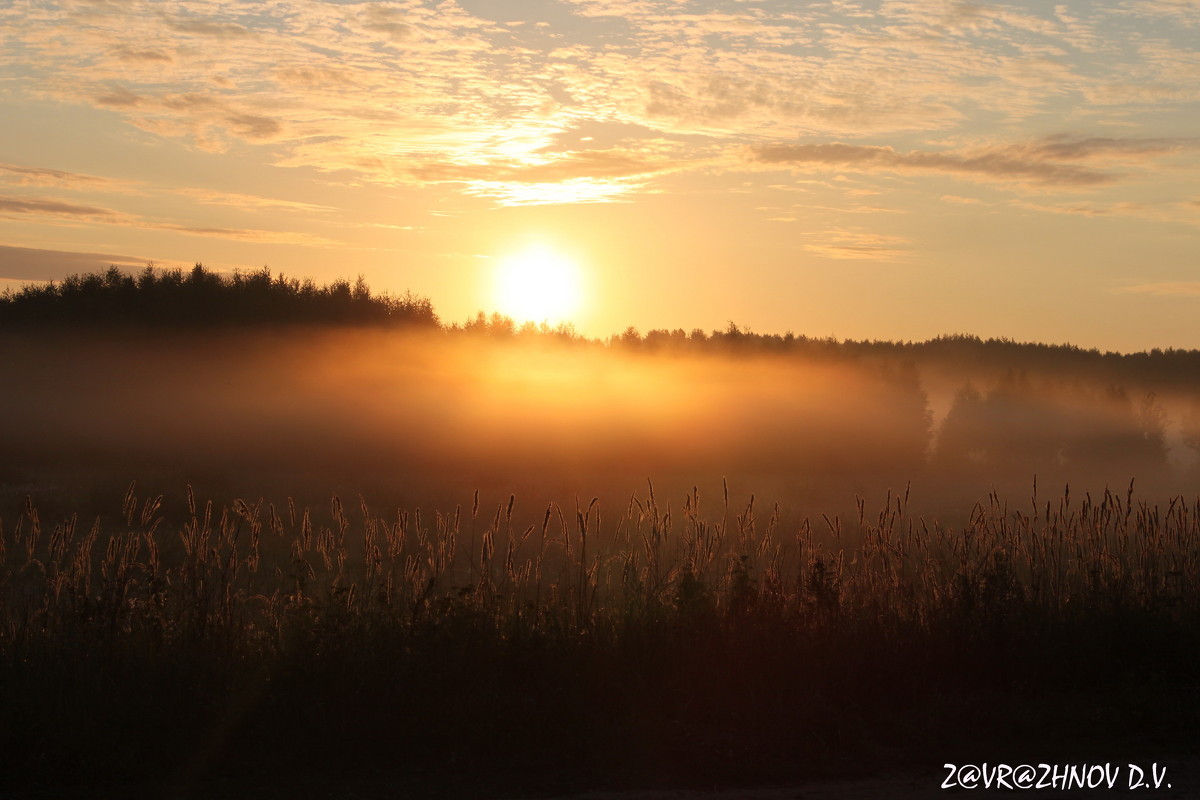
(538, 284)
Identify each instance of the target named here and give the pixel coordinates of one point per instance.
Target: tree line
(202, 297)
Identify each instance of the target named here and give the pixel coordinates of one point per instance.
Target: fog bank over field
(388, 408)
(426, 418)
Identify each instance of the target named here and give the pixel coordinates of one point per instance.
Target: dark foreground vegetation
(445, 653)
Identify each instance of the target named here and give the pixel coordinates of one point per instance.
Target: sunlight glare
(538, 285)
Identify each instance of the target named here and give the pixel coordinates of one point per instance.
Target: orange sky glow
(885, 170)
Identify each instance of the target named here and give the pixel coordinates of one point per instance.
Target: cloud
(1084, 209)
(1065, 147)
(206, 116)
(307, 77)
(56, 209)
(858, 245)
(1179, 12)
(367, 89)
(38, 205)
(40, 176)
(1164, 211)
(210, 28)
(125, 53)
(573, 190)
(242, 234)
(589, 176)
(388, 21)
(117, 97)
(1163, 289)
(848, 209)
(1011, 163)
(729, 72)
(249, 201)
(251, 126)
(594, 164)
(35, 264)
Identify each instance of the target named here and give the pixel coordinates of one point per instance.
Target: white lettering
(1025, 777)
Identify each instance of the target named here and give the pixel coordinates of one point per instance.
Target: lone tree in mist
(202, 297)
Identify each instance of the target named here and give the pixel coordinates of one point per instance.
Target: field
(474, 562)
(456, 651)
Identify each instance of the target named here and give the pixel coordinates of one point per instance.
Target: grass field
(680, 640)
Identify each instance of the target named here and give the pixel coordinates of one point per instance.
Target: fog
(427, 419)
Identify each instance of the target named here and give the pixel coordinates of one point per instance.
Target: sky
(869, 170)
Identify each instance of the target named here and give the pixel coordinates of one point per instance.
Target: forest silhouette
(204, 298)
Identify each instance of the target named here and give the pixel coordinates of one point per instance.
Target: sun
(538, 284)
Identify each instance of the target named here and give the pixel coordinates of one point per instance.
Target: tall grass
(664, 640)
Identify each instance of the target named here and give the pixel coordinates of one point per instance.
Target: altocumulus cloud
(414, 91)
